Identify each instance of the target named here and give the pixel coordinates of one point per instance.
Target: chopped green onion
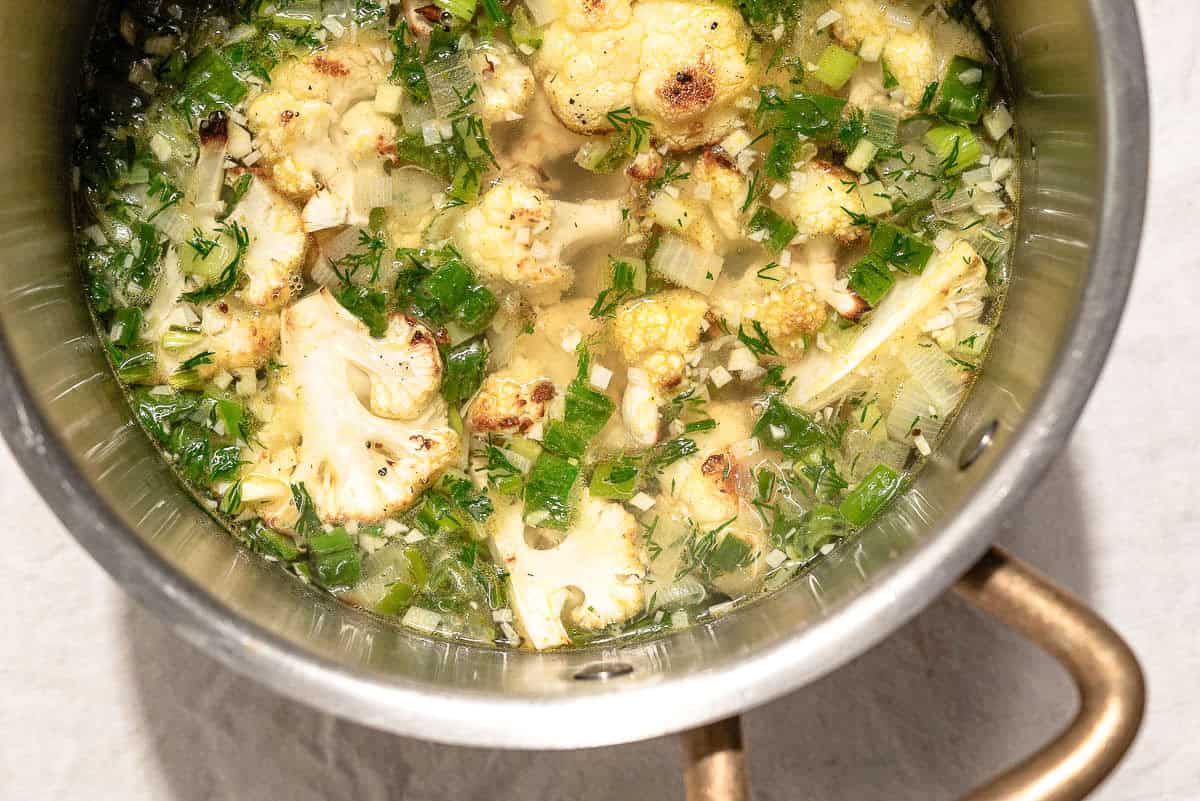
(395, 599)
(265, 540)
(176, 338)
(954, 147)
(125, 327)
(233, 415)
(231, 500)
(872, 494)
(672, 451)
(209, 83)
(902, 250)
(548, 491)
(966, 88)
(729, 554)
(779, 230)
(334, 559)
(523, 30)
(616, 479)
(135, 366)
(835, 66)
(871, 279)
(586, 412)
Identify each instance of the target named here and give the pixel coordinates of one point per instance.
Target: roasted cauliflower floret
(593, 578)
(693, 70)
(237, 336)
(680, 65)
(360, 459)
(276, 249)
(512, 400)
(821, 199)
(365, 133)
(296, 121)
(788, 311)
(504, 80)
(589, 62)
(914, 56)
(705, 493)
(656, 332)
(519, 235)
(723, 188)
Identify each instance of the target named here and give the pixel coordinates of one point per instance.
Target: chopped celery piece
(871, 279)
(616, 479)
(966, 88)
(872, 494)
(862, 156)
(548, 491)
(778, 231)
(954, 147)
(902, 250)
(835, 66)
(334, 559)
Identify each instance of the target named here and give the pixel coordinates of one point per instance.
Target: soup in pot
(545, 322)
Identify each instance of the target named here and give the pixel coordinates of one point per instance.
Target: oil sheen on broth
(550, 322)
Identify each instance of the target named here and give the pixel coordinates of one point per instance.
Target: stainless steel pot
(1080, 94)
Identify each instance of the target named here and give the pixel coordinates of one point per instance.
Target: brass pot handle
(1112, 695)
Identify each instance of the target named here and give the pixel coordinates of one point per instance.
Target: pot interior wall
(179, 561)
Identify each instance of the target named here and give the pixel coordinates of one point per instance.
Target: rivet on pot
(980, 442)
(603, 671)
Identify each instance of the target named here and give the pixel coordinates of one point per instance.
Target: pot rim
(616, 717)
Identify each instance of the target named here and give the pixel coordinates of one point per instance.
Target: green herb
(853, 129)
(791, 119)
(635, 130)
(954, 146)
(758, 343)
(889, 79)
(787, 429)
(671, 451)
(466, 365)
(627, 280)
(927, 97)
(900, 249)
(764, 272)
(671, 173)
(586, 412)
(231, 500)
(407, 68)
(228, 277)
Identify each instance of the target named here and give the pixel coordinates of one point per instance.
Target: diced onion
(998, 121)
(686, 264)
(940, 379)
(910, 410)
(679, 619)
(421, 619)
(827, 19)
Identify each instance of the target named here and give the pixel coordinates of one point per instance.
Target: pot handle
(1112, 695)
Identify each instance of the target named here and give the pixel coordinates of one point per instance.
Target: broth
(547, 324)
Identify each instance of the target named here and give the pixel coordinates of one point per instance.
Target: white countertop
(101, 702)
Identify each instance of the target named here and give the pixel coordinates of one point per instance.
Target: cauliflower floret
(589, 62)
(365, 133)
(693, 69)
(915, 58)
(821, 200)
(506, 83)
(681, 65)
(276, 249)
(512, 400)
(519, 235)
(296, 123)
(656, 332)
(238, 337)
(360, 421)
(820, 377)
(705, 492)
(723, 188)
(593, 578)
(788, 310)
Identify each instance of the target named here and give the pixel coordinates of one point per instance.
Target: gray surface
(98, 695)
